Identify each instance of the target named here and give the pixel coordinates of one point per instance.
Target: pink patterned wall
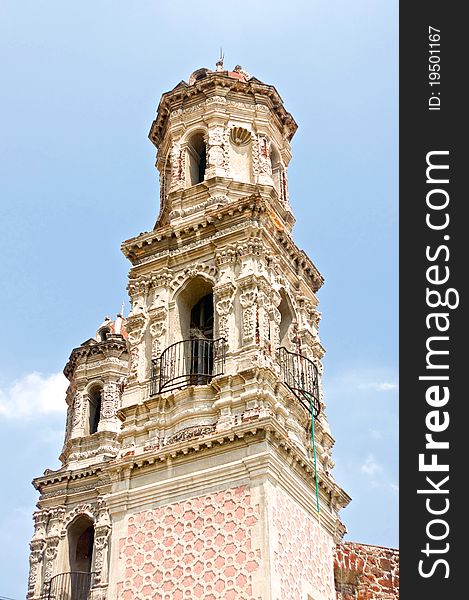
(199, 548)
(303, 557)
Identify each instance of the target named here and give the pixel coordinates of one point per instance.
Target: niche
(286, 319)
(240, 155)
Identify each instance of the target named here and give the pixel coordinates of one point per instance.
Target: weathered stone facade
(364, 572)
(187, 467)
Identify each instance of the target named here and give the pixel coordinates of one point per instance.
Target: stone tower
(188, 468)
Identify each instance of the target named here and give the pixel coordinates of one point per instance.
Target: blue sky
(80, 87)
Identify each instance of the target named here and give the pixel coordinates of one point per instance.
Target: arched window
(201, 350)
(196, 158)
(202, 318)
(195, 309)
(80, 537)
(102, 334)
(94, 409)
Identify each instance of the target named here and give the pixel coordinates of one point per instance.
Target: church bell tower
(197, 454)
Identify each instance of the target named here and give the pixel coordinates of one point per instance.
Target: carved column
(224, 308)
(36, 557)
(178, 167)
(136, 328)
(264, 164)
(275, 319)
(110, 402)
(102, 531)
(79, 413)
(158, 327)
(216, 152)
(248, 302)
(52, 544)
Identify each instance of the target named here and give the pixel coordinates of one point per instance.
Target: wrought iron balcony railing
(189, 362)
(300, 375)
(74, 585)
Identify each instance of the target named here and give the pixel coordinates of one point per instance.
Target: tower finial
(219, 65)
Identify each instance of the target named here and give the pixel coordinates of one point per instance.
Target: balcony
(189, 362)
(74, 585)
(300, 375)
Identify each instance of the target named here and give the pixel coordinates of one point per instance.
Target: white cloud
(384, 386)
(34, 395)
(370, 467)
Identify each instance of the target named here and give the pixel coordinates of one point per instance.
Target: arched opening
(202, 318)
(201, 330)
(94, 404)
(187, 299)
(194, 357)
(80, 537)
(286, 320)
(103, 333)
(197, 158)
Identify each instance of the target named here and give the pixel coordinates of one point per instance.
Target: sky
(80, 86)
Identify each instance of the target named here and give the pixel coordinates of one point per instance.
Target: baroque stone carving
(265, 165)
(249, 322)
(77, 409)
(191, 432)
(157, 331)
(111, 398)
(35, 559)
(50, 555)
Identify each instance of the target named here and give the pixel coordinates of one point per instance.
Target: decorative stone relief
(224, 294)
(264, 307)
(50, 556)
(215, 100)
(248, 302)
(101, 537)
(276, 318)
(135, 328)
(223, 310)
(284, 187)
(178, 167)
(194, 271)
(111, 397)
(265, 166)
(190, 433)
(157, 331)
(78, 411)
(216, 151)
(36, 557)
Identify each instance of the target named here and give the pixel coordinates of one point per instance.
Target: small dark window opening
(197, 153)
(80, 545)
(84, 550)
(201, 330)
(102, 333)
(202, 164)
(95, 410)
